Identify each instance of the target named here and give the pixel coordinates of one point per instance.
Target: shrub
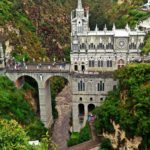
(106, 145)
(82, 136)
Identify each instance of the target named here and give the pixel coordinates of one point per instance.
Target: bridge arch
(20, 78)
(65, 76)
(44, 92)
(20, 81)
(55, 83)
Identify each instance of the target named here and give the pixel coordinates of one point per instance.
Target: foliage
(14, 106)
(146, 48)
(12, 136)
(35, 31)
(82, 136)
(105, 145)
(57, 84)
(46, 143)
(17, 27)
(129, 104)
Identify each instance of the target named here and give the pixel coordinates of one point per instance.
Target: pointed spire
(80, 4)
(127, 27)
(114, 27)
(105, 28)
(96, 28)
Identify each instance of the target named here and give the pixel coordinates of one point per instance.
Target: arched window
(101, 86)
(81, 112)
(81, 86)
(91, 63)
(100, 46)
(75, 67)
(100, 63)
(121, 63)
(109, 46)
(82, 46)
(132, 46)
(91, 107)
(109, 63)
(141, 45)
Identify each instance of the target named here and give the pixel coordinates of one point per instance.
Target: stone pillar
(86, 115)
(45, 104)
(75, 117)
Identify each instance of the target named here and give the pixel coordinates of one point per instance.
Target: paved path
(93, 143)
(61, 126)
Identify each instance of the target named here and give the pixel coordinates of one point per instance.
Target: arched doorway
(83, 67)
(75, 66)
(121, 63)
(91, 108)
(91, 117)
(81, 111)
(31, 94)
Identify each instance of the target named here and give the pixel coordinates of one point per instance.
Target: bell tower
(79, 20)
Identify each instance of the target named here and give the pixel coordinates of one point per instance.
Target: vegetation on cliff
(128, 105)
(41, 29)
(18, 122)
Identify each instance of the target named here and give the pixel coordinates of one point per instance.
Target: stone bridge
(41, 73)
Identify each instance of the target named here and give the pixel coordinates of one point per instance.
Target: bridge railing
(63, 67)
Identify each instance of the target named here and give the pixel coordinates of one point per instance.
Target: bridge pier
(45, 104)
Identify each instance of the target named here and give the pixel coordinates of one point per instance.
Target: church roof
(116, 33)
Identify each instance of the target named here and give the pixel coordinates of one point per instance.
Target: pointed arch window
(81, 86)
(83, 46)
(91, 63)
(132, 46)
(109, 63)
(101, 86)
(141, 45)
(100, 63)
(100, 46)
(91, 46)
(109, 46)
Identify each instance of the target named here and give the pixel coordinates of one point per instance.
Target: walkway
(93, 143)
(61, 126)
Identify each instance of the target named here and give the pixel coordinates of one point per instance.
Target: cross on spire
(80, 4)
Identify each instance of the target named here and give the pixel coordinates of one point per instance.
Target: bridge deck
(47, 68)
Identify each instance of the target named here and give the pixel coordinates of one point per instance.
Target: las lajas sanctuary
(94, 57)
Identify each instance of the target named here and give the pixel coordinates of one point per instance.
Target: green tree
(12, 136)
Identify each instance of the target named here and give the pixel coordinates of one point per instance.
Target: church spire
(80, 4)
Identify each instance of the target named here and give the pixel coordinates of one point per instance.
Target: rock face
(120, 137)
(61, 126)
(31, 100)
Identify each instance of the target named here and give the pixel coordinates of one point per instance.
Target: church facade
(94, 57)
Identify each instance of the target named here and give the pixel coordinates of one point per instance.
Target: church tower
(79, 20)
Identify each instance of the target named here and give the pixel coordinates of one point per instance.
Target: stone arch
(81, 109)
(56, 75)
(48, 96)
(34, 102)
(83, 66)
(89, 87)
(121, 63)
(91, 107)
(76, 66)
(21, 78)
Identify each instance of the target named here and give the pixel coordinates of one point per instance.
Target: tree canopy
(129, 105)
